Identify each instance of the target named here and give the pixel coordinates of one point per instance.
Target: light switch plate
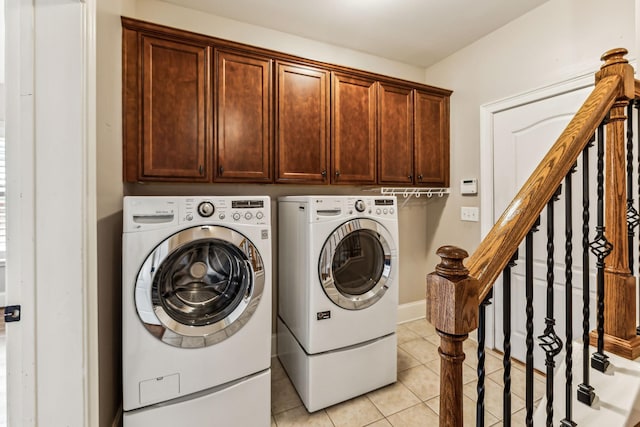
(470, 214)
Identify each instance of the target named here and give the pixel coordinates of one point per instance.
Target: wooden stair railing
(454, 292)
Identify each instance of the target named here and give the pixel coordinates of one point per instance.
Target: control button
(378, 211)
(385, 211)
(189, 217)
(222, 215)
(206, 209)
(359, 205)
(350, 211)
(259, 215)
(236, 216)
(391, 211)
(248, 216)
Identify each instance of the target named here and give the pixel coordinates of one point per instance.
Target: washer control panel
(231, 210)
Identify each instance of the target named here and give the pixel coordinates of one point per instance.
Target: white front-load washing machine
(196, 311)
(338, 295)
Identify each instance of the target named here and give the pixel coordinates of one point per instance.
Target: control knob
(259, 215)
(248, 216)
(236, 216)
(359, 206)
(206, 209)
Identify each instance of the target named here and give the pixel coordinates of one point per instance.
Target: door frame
(487, 112)
(51, 212)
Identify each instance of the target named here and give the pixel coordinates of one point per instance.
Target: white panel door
(522, 136)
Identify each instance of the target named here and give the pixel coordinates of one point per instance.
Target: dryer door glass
(355, 264)
(199, 286)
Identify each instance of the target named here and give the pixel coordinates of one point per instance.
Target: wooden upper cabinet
(431, 144)
(353, 118)
(243, 118)
(201, 109)
(166, 82)
(395, 139)
(302, 123)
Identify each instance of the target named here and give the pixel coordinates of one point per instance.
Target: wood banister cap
(614, 56)
(616, 64)
(451, 265)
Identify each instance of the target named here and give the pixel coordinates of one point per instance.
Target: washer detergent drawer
(242, 403)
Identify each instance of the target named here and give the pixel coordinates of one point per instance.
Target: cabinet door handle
(221, 170)
(420, 177)
(337, 174)
(410, 177)
(200, 169)
(323, 173)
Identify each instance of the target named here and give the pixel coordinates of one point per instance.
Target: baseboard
(406, 313)
(274, 345)
(412, 311)
(117, 421)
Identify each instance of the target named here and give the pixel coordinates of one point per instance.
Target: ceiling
(416, 32)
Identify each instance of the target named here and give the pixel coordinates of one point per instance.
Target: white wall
(204, 23)
(558, 40)
(109, 201)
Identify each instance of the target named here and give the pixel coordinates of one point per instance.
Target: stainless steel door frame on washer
(355, 263)
(199, 286)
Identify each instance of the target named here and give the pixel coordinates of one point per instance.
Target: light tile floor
(414, 399)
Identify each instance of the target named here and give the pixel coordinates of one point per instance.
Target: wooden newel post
(619, 283)
(452, 308)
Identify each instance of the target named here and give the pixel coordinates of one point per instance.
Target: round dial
(359, 206)
(206, 209)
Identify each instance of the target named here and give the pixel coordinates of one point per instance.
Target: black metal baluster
(568, 261)
(481, 356)
(549, 341)
(636, 104)
(633, 219)
(585, 391)
(601, 248)
(506, 328)
(529, 310)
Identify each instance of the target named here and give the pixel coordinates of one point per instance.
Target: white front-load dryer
(196, 312)
(338, 294)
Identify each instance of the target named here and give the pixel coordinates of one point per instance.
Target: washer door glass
(199, 286)
(355, 264)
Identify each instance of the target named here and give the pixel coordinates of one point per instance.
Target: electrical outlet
(469, 214)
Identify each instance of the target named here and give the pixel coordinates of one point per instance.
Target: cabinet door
(174, 107)
(353, 117)
(395, 143)
(243, 119)
(302, 123)
(431, 145)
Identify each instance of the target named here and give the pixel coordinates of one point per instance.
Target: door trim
(487, 112)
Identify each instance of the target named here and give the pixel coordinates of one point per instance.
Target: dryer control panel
(331, 207)
(382, 207)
